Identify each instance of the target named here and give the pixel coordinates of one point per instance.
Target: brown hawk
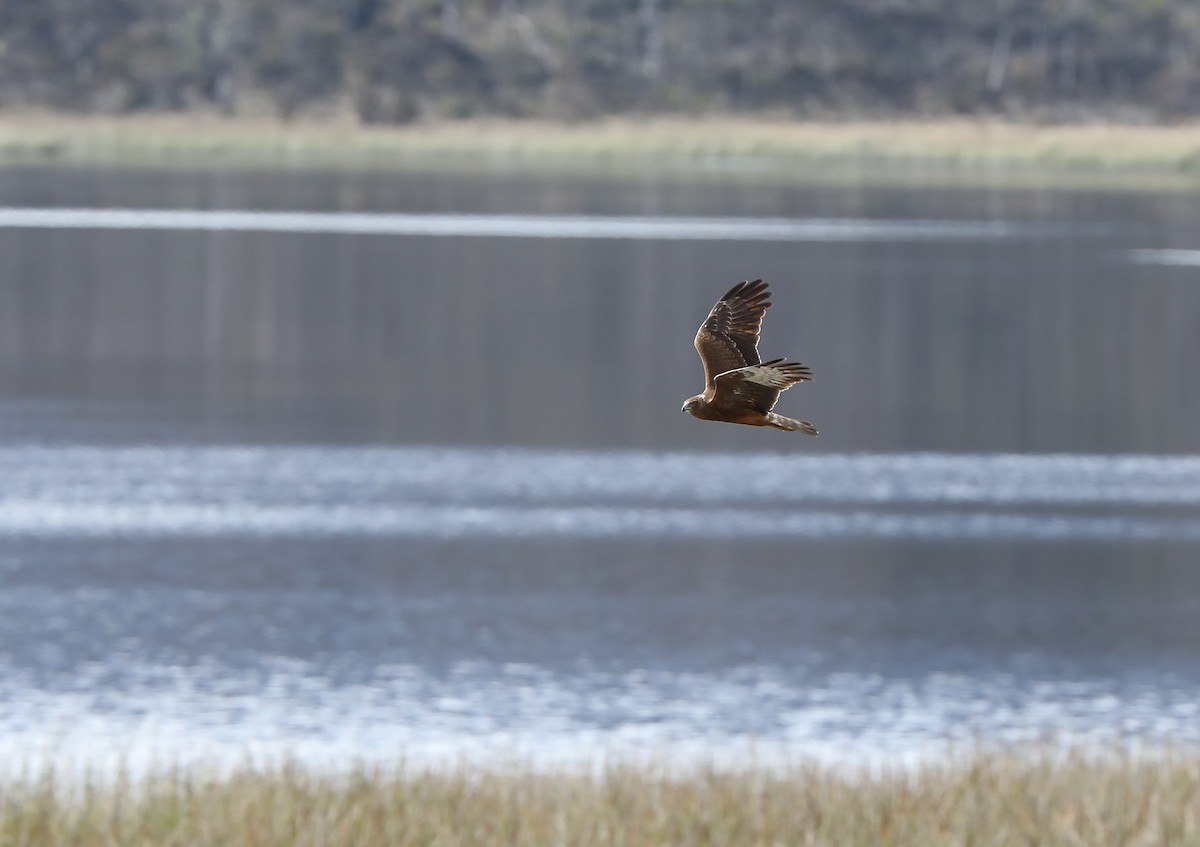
(738, 386)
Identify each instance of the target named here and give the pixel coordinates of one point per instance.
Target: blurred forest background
(396, 61)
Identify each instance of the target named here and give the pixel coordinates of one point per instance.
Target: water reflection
(1045, 339)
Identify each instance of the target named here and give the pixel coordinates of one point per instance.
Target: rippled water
(468, 493)
(275, 484)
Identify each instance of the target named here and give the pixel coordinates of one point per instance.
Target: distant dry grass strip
(984, 799)
(958, 146)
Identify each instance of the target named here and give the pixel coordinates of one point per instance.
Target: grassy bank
(988, 798)
(965, 148)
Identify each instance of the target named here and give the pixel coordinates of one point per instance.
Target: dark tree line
(392, 61)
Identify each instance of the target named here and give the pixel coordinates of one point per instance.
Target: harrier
(738, 386)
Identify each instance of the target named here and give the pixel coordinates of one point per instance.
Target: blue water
(391, 467)
(373, 603)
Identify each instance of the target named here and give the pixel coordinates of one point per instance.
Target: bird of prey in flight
(738, 386)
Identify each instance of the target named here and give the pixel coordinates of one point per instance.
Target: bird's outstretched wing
(728, 338)
(757, 387)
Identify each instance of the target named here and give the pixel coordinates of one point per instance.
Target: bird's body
(739, 386)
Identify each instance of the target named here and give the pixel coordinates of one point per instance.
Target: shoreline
(975, 151)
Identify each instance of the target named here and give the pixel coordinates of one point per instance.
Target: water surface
(346, 465)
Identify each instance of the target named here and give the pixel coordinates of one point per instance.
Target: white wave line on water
(516, 226)
(1179, 258)
(480, 492)
(353, 476)
(33, 518)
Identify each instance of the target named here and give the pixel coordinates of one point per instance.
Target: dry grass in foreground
(986, 798)
(966, 148)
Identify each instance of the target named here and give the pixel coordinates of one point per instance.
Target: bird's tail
(790, 424)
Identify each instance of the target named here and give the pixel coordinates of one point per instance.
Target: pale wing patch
(771, 375)
(762, 376)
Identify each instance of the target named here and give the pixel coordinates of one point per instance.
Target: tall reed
(992, 798)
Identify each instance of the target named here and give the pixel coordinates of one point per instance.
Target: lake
(387, 466)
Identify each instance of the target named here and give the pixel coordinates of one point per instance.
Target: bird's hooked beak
(689, 404)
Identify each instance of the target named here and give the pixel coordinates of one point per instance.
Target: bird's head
(691, 403)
